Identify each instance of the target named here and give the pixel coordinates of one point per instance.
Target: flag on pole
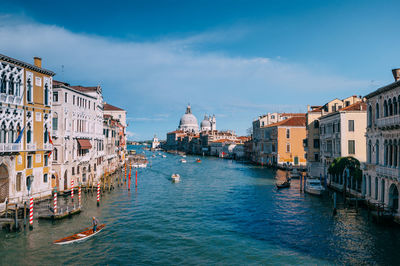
(19, 138)
(51, 142)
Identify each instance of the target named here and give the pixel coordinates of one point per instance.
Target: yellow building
(25, 123)
(283, 143)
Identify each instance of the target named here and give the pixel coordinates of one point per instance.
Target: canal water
(222, 212)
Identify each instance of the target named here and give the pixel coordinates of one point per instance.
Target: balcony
(388, 122)
(47, 147)
(389, 172)
(54, 133)
(31, 147)
(10, 147)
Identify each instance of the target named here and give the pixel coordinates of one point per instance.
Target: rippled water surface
(221, 212)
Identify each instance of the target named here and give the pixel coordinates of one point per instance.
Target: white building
(155, 143)
(188, 122)
(77, 134)
(381, 180)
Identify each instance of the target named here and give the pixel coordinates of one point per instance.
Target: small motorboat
(314, 187)
(164, 156)
(285, 184)
(88, 232)
(184, 156)
(175, 177)
(183, 161)
(153, 155)
(198, 160)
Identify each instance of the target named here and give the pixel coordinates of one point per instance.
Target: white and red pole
(98, 193)
(79, 195)
(72, 189)
(31, 212)
(55, 202)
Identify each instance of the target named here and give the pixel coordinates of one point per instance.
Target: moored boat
(314, 187)
(183, 161)
(87, 233)
(295, 174)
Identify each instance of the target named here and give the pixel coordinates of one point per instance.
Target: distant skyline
(234, 59)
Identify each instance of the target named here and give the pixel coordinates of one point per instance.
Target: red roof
(295, 121)
(109, 107)
(358, 106)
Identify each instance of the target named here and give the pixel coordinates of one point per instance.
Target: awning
(84, 144)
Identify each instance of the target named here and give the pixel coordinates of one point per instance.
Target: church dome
(188, 121)
(205, 124)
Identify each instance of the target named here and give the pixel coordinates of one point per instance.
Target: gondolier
(95, 223)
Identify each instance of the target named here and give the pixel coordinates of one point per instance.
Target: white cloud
(148, 78)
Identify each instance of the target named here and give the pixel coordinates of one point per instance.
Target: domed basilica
(188, 122)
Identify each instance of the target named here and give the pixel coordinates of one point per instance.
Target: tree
(340, 164)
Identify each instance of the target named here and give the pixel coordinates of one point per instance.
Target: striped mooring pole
(72, 189)
(126, 173)
(136, 179)
(79, 195)
(98, 193)
(31, 212)
(55, 202)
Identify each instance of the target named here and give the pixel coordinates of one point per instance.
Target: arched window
(390, 107)
(394, 106)
(377, 110)
(395, 155)
(29, 90)
(385, 109)
(376, 188)
(55, 121)
(3, 133)
(55, 154)
(369, 151)
(3, 86)
(377, 152)
(46, 135)
(385, 155)
(18, 88)
(11, 85)
(369, 116)
(46, 94)
(11, 133)
(29, 134)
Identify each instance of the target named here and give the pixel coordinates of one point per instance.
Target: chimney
(396, 73)
(37, 61)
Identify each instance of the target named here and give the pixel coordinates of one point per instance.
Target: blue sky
(234, 59)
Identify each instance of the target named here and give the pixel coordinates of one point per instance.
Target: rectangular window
(66, 97)
(55, 96)
(46, 160)
(288, 133)
(45, 178)
(287, 147)
(316, 143)
(29, 161)
(73, 170)
(352, 147)
(351, 125)
(73, 99)
(18, 183)
(55, 123)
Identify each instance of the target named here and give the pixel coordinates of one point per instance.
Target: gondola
(88, 232)
(285, 184)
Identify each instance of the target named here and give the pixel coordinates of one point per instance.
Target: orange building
(283, 143)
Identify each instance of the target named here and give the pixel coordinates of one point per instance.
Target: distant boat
(314, 187)
(198, 160)
(153, 155)
(164, 156)
(175, 177)
(183, 161)
(295, 174)
(285, 184)
(184, 156)
(139, 165)
(79, 236)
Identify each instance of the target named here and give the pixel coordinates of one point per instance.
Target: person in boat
(95, 223)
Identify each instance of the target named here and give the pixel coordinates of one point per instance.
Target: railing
(31, 147)
(10, 147)
(388, 121)
(390, 172)
(47, 147)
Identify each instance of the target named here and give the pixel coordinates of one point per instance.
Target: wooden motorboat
(87, 233)
(285, 184)
(176, 177)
